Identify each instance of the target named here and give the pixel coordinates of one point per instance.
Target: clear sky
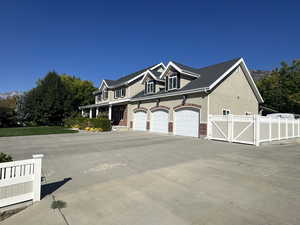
(107, 39)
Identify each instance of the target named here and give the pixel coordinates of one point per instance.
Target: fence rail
(251, 129)
(20, 181)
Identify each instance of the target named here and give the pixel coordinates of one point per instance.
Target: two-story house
(177, 98)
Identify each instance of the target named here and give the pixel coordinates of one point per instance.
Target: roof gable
(210, 76)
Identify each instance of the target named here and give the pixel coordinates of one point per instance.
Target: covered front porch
(116, 113)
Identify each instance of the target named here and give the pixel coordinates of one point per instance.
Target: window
(172, 82)
(150, 87)
(98, 98)
(225, 112)
(104, 94)
(119, 93)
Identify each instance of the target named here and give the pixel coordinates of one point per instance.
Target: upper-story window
(104, 94)
(150, 86)
(120, 92)
(172, 82)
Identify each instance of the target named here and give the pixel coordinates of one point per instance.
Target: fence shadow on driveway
(48, 189)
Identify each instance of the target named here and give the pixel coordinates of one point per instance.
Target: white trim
(120, 101)
(160, 64)
(170, 94)
(252, 81)
(179, 70)
(168, 66)
(248, 75)
(142, 74)
(103, 81)
(151, 74)
(225, 74)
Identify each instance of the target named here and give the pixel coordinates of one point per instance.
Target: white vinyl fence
(251, 129)
(20, 181)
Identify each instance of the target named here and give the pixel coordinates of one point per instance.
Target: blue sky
(107, 39)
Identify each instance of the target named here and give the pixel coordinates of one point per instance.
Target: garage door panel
(187, 122)
(140, 120)
(159, 121)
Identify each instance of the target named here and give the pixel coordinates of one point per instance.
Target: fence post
(279, 129)
(294, 127)
(298, 127)
(256, 129)
(229, 128)
(208, 127)
(37, 177)
(270, 129)
(286, 129)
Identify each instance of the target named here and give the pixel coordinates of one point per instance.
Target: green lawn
(25, 131)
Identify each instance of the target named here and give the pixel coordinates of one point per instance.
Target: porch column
(91, 113)
(82, 112)
(97, 112)
(109, 111)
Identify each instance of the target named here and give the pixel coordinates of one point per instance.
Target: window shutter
(154, 86)
(115, 94)
(145, 87)
(167, 81)
(124, 92)
(178, 80)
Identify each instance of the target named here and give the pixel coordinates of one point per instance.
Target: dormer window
(120, 92)
(172, 82)
(150, 87)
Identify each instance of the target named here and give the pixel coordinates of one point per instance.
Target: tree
(81, 91)
(49, 102)
(7, 112)
(281, 89)
(56, 97)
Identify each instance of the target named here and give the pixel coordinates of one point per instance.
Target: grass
(26, 131)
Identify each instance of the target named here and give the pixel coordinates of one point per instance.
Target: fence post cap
(38, 156)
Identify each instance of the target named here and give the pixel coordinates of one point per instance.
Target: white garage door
(159, 121)
(187, 122)
(139, 122)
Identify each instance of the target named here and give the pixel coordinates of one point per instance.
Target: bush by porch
(82, 123)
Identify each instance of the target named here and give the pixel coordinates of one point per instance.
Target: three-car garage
(185, 121)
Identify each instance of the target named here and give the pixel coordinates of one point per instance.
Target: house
(177, 98)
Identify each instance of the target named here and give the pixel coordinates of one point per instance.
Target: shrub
(101, 122)
(84, 123)
(5, 158)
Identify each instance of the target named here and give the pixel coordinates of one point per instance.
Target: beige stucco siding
(197, 99)
(134, 89)
(235, 94)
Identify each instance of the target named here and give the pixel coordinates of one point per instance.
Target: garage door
(159, 121)
(187, 122)
(139, 122)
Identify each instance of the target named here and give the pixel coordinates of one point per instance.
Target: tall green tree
(54, 98)
(49, 102)
(81, 91)
(281, 89)
(7, 112)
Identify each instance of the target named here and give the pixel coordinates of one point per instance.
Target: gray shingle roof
(208, 75)
(126, 78)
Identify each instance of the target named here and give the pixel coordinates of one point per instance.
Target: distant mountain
(259, 74)
(10, 94)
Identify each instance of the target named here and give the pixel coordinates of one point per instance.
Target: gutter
(206, 89)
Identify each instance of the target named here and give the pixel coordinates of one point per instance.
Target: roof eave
(170, 94)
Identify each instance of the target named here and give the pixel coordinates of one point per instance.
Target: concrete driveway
(128, 178)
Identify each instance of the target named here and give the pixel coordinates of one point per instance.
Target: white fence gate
(251, 129)
(20, 181)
